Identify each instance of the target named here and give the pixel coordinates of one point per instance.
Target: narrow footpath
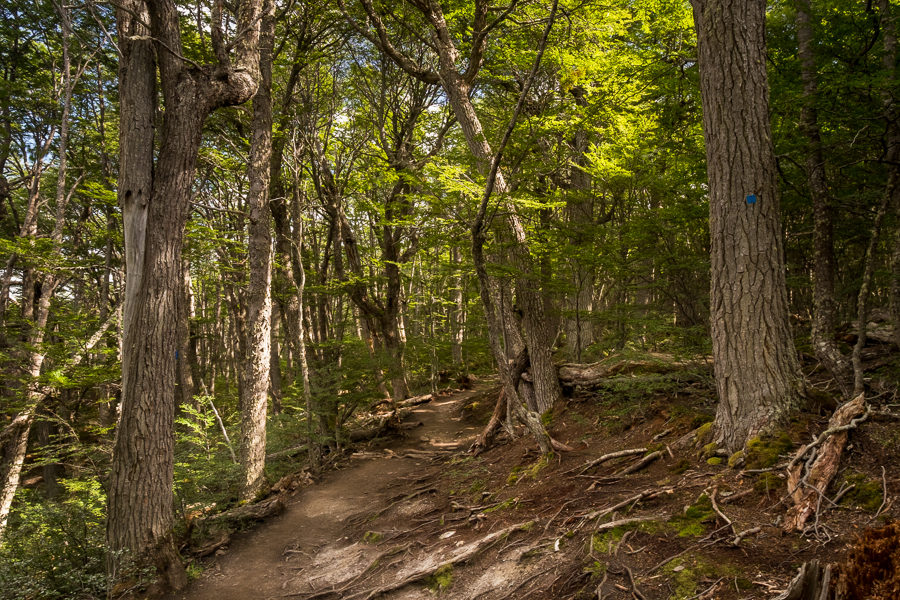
(279, 558)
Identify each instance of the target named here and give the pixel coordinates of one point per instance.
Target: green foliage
(867, 494)
(686, 572)
(520, 473)
(204, 472)
(55, 549)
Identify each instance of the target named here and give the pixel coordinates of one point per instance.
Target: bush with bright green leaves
(55, 549)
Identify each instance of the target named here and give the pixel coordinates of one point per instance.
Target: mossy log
(595, 374)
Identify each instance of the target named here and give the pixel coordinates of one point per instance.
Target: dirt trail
(272, 561)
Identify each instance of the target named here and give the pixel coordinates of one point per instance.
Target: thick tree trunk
(156, 202)
(824, 306)
(756, 370)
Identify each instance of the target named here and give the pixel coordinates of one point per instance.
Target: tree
(155, 198)
(756, 370)
(256, 363)
(538, 330)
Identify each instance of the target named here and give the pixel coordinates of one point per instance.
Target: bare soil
(418, 517)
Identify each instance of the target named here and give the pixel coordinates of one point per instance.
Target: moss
(736, 459)
(867, 493)
(547, 419)
(766, 482)
(604, 543)
(441, 580)
(502, 506)
(532, 471)
(685, 574)
(700, 420)
(691, 522)
(681, 466)
(703, 434)
(714, 460)
(372, 537)
(764, 452)
(709, 450)
(597, 570)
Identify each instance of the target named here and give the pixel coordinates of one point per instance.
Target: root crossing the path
(311, 546)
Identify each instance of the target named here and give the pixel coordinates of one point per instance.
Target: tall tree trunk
(824, 305)
(156, 202)
(756, 371)
(255, 371)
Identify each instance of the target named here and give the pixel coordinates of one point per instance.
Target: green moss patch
(685, 574)
(691, 522)
(372, 537)
(441, 580)
(767, 482)
(764, 452)
(866, 494)
(703, 434)
(531, 471)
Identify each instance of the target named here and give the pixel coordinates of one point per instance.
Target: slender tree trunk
(756, 370)
(276, 385)
(824, 305)
(457, 311)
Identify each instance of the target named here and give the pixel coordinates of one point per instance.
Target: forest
(243, 243)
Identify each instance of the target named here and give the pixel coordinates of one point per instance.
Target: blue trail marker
(751, 198)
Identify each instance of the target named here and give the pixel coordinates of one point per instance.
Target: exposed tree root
(592, 375)
(637, 466)
(645, 495)
(486, 437)
(606, 457)
(424, 567)
(806, 487)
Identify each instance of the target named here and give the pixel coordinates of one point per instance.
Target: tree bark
(255, 367)
(156, 202)
(756, 370)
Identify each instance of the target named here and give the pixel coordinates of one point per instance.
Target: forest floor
(417, 517)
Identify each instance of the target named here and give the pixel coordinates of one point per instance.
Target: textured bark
(156, 201)
(889, 27)
(824, 306)
(756, 370)
(255, 366)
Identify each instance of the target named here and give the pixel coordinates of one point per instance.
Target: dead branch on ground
(805, 488)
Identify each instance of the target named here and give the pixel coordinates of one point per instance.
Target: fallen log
(415, 401)
(248, 512)
(595, 374)
(805, 488)
(381, 425)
